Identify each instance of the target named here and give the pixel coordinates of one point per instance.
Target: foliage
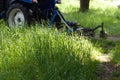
(44, 54)
(116, 53)
(38, 53)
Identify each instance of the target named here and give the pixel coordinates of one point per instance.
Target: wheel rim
(16, 18)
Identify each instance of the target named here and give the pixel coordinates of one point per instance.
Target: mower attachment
(76, 27)
(91, 31)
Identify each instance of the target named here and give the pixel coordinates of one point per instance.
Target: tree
(84, 5)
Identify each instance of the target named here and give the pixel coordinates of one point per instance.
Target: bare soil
(109, 71)
(113, 38)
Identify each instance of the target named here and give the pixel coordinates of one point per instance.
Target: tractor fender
(23, 1)
(27, 3)
(11, 2)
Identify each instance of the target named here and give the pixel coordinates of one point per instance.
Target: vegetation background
(42, 53)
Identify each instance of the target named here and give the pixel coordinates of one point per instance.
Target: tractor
(22, 12)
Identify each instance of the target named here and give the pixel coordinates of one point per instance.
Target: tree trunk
(84, 5)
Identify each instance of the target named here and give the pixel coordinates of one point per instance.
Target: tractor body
(19, 12)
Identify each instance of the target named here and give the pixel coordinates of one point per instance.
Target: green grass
(116, 53)
(100, 11)
(116, 60)
(44, 54)
(40, 53)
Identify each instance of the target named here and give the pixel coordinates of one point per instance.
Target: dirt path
(113, 38)
(110, 71)
(107, 69)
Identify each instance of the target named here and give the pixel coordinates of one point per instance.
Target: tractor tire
(17, 15)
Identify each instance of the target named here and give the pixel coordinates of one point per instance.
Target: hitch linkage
(91, 31)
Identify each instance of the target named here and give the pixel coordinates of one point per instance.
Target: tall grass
(44, 54)
(35, 53)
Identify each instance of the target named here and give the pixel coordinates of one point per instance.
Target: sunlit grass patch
(41, 53)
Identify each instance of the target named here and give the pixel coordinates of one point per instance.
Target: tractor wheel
(17, 15)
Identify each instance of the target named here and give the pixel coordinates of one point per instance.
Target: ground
(108, 70)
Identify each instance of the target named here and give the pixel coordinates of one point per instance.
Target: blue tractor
(21, 12)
